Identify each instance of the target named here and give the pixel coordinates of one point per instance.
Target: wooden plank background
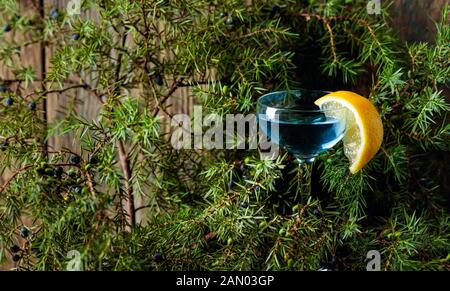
(87, 107)
(412, 19)
(30, 55)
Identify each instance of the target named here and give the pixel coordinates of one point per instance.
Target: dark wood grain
(411, 19)
(30, 56)
(414, 19)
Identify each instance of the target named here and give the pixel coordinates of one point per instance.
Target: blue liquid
(304, 138)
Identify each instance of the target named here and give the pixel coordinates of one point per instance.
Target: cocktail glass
(292, 121)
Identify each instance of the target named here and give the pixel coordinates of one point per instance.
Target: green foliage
(218, 210)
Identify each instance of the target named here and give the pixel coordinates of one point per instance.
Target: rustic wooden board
(87, 107)
(30, 56)
(413, 19)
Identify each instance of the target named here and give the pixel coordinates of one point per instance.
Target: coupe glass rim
(280, 108)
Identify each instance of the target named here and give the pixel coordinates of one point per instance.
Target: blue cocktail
(295, 123)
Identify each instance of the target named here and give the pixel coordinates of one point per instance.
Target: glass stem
(304, 174)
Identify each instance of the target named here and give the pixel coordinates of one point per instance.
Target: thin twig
(89, 182)
(173, 88)
(87, 175)
(123, 156)
(143, 207)
(266, 30)
(330, 32)
(55, 91)
(13, 176)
